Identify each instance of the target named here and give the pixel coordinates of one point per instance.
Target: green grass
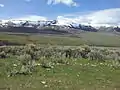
(40, 39)
(78, 75)
(101, 39)
(90, 38)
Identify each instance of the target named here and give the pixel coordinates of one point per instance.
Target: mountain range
(51, 26)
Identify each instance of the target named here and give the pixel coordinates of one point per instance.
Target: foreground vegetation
(78, 75)
(34, 67)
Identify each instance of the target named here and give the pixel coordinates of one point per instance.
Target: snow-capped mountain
(55, 24)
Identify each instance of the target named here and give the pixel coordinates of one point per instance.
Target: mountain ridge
(51, 26)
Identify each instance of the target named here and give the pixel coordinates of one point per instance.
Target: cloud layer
(107, 17)
(31, 18)
(27, 0)
(66, 2)
(1, 5)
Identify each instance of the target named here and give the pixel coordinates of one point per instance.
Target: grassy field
(76, 74)
(79, 74)
(89, 38)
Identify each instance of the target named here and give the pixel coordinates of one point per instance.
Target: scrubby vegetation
(59, 67)
(27, 56)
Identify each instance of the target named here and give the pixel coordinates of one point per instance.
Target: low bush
(28, 55)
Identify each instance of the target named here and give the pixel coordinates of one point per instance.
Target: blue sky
(14, 8)
(51, 9)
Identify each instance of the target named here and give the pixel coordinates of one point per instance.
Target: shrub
(27, 64)
(46, 64)
(96, 55)
(114, 56)
(68, 53)
(25, 70)
(3, 54)
(104, 51)
(25, 59)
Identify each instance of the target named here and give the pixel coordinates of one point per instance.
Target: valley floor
(69, 73)
(89, 38)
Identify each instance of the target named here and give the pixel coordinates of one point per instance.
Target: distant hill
(109, 29)
(19, 30)
(60, 31)
(32, 30)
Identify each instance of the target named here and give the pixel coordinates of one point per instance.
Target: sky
(95, 12)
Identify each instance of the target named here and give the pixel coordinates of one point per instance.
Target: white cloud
(66, 2)
(107, 17)
(31, 18)
(1, 5)
(27, 0)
